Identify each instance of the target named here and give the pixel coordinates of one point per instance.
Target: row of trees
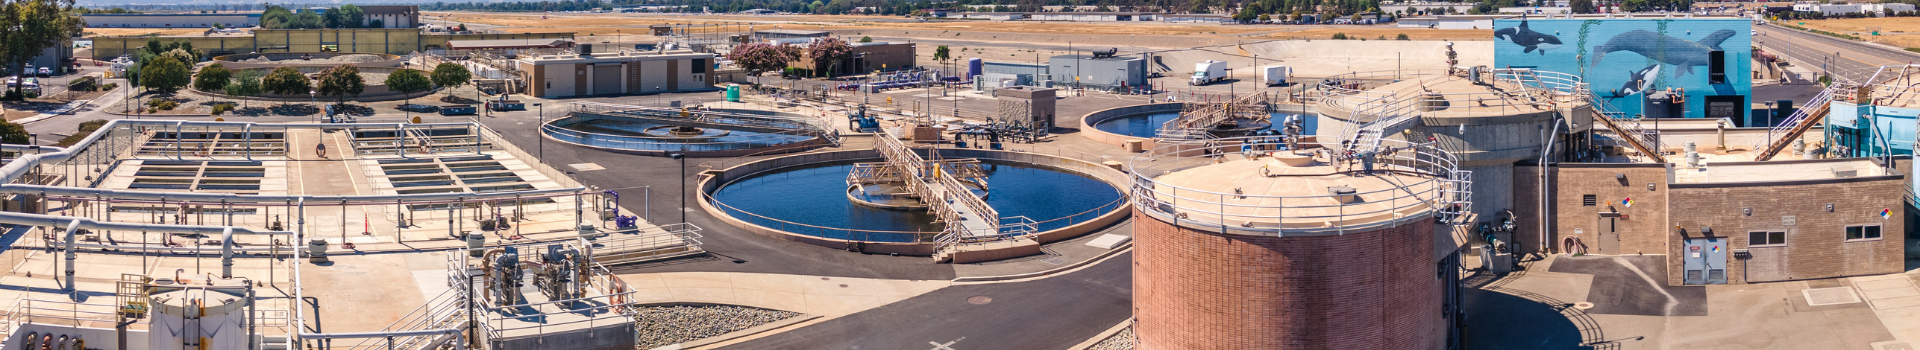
(340, 82)
(346, 16)
(757, 58)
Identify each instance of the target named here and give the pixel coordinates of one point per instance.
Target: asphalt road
(1051, 313)
(1822, 53)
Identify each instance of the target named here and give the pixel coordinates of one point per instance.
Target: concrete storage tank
(1291, 249)
(198, 316)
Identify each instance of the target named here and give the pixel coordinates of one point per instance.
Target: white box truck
(1208, 72)
(1275, 75)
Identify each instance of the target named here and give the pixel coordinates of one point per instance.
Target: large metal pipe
(71, 256)
(226, 253)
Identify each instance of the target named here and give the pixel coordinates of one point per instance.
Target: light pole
(543, 131)
(683, 184)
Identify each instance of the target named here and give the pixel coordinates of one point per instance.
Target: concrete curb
(740, 333)
(1102, 257)
(1109, 333)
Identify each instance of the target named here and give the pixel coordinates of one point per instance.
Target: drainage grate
(1830, 296)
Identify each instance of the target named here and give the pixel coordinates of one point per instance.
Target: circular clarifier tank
(1147, 124)
(815, 200)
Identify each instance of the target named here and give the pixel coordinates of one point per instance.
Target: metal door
(1705, 261)
(606, 79)
(1608, 234)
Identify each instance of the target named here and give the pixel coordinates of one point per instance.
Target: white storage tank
(198, 315)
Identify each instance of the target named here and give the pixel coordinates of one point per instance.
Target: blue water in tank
(812, 200)
(1146, 125)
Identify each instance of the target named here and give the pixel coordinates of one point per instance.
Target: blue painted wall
(1621, 58)
(1847, 127)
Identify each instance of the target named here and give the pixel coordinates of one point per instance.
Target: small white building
(1451, 21)
(1876, 10)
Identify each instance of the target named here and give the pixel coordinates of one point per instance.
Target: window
(1716, 67)
(1766, 238)
(1863, 232)
(1588, 200)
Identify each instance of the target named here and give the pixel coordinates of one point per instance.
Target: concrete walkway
(825, 296)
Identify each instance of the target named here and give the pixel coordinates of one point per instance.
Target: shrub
(86, 128)
(1402, 36)
(164, 105)
(110, 86)
(1339, 36)
(222, 108)
(32, 94)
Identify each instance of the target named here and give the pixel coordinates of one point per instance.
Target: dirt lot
(1897, 31)
(1375, 33)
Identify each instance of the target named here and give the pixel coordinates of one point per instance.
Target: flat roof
(1115, 57)
(1776, 171)
(1261, 181)
(623, 56)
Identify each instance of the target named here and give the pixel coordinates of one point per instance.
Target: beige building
(621, 73)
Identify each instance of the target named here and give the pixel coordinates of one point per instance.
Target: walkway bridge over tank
(939, 184)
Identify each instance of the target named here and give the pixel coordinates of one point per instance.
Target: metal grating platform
(1830, 296)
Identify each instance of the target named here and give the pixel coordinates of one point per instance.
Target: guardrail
(1440, 186)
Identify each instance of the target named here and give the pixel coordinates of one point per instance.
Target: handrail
(1442, 178)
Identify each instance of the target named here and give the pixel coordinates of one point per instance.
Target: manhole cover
(1583, 305)
(1830, 296)
(980, 300)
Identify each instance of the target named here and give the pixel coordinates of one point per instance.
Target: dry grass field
(1896, 31)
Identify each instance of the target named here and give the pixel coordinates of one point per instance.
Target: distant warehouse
(171, 20)
(623, 73)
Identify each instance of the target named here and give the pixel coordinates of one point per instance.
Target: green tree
(347, 16)
(165, 74)
(449, 75)
(246, 83)
(757, 58)
(866, 39)
(14, 134)
(30, 27)
(212, 78)
(286, 81)
(341, 82)
(1582, 6)
(276, 17)
(408, 81)
(940, 53)
(181, 55)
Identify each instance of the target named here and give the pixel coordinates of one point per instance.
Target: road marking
(947, 346)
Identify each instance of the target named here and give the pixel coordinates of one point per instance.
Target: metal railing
(1438, 185)
(785, 130)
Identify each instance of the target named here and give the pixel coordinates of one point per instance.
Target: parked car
(46, 72)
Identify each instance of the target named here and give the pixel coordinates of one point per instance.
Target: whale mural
(1528, 38)
(1680, 53)
(1624, 59)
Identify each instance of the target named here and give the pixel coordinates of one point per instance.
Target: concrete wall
(1816, 243)
(614, 336)
(1641, 228)
(1201, 290)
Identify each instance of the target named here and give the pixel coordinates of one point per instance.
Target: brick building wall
(1816, 245)
(1199, 290)
(1638, 229)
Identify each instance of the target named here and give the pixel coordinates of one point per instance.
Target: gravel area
(357, 58)
(1119, 341)
(665, 325)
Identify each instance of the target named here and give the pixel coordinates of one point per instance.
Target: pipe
(85, 223)
(71, 256)
(486, 267)
(1546, 149)
(19, 148)
(226, 253)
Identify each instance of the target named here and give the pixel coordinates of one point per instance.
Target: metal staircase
(1814, 113)
(1197, 119)
(1627, 129)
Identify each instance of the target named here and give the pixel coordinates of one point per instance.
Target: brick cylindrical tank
(1289, 250)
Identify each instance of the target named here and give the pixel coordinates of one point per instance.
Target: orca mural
(1625, 60)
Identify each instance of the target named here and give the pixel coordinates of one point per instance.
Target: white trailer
(1208, 71)
(1275, 75)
